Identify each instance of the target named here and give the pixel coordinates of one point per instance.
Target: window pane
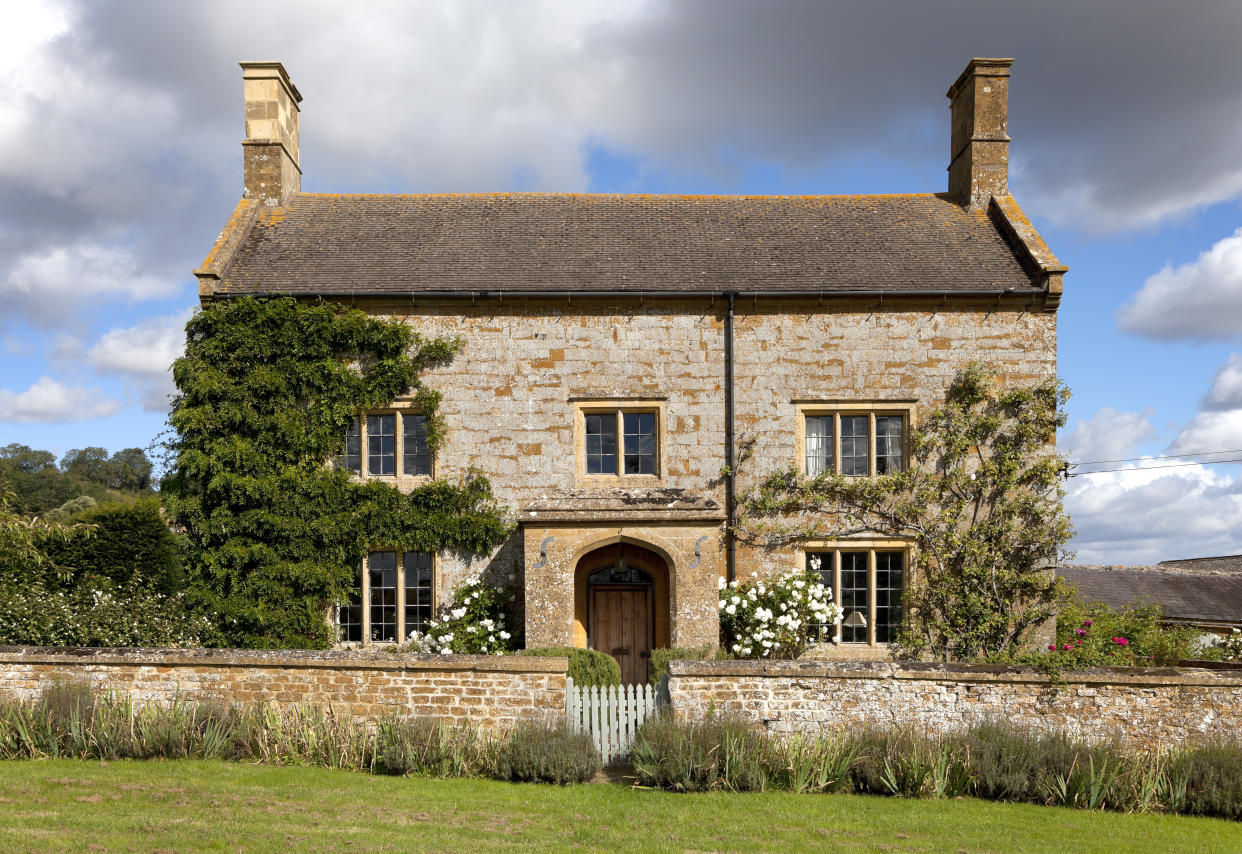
(854, 445)
(382, 567)
(888, 436)
(416, 458)
(601, 443)
(349, 616)
(417, 592)
(854, 596)
(888, 579)
(381, 444)
(640, 442)
(350, 458)
(818, 444)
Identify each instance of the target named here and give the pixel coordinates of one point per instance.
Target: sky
(120, 161)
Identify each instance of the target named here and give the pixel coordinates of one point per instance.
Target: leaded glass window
(888, 443)
(818, 444)
(601, 443)
(888, 579)
(415, 455)
(350, 457)
(381, 444)
(854, 597)
(417, 571)
(640, 442)
(382, 572)
(855, 445)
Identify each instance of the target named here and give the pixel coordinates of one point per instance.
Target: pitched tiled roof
(362, 244)
(1190, 597)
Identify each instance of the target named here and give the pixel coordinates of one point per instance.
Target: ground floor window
(867, 583)
(392, 600)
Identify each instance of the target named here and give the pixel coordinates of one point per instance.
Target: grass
(57, 805)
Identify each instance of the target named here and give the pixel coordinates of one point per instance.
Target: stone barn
(620, 348)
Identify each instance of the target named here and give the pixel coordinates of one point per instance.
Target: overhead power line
(1157, 457)
(1148, 468)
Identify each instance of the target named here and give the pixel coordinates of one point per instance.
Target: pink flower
(1052, 646)
(1067, 646)
(1078, 643)
(1080, 632)
(1086, 622)
(1120, 641)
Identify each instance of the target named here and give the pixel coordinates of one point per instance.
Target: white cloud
(49, 401)
(1108, 435)
(1139, 516)
(1226, 391)
(1200, 300)
(143, 356)
(51, 286)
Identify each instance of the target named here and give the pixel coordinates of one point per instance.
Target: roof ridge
(689, 196)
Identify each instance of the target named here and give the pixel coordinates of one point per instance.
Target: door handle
(621, 651)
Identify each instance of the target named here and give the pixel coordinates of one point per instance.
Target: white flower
(472, 629)
(458, 613)
(505, 635)
(731, 609)
(444, 650)
(737, 647)
(720, 582)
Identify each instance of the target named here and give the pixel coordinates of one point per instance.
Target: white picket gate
(612, 715)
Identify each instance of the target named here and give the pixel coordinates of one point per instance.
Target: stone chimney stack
(271, 170)
(979, 168)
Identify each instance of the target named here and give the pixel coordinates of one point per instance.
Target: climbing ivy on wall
(981, 502)
(266, 391)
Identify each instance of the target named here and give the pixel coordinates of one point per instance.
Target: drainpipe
(730, 462)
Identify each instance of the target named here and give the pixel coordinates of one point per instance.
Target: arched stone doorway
(621, 601)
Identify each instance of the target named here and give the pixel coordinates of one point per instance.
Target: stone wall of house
(1149, 708)
(487, 691)
(509, 401)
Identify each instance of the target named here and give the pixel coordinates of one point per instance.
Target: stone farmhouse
(620, 348)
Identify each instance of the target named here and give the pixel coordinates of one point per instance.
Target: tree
(35, 484)
(981, 502)
(266, 390)
(131, 470)
(88, 464)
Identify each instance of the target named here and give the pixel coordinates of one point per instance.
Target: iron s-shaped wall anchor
(543, 552)
(697, 544)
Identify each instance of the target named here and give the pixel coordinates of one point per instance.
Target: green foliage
(981, 503)
(39, 486)
(776, 617)
(44, 614)
(474, 624)
(586, 666)
(1095, 635)
(702, 756)
(266, 392)
(131, 541)
(546, 753)
(662, 656)
(427, 748)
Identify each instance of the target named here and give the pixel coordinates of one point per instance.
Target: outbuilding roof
(523, 242)
(1196, 597)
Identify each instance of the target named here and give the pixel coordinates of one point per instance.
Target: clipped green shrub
(1206, 779)
(131, 541)
(546, 753)
(586, 666)
(662, 656)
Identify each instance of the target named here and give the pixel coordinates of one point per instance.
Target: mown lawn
(68, 805)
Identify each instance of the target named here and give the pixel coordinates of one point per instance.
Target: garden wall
(490, 691)
(1148, 708)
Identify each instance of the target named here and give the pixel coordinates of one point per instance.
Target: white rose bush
(776, 617)
(473, 625)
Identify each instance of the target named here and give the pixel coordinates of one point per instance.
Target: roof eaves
(1030, 248)
(216, 265)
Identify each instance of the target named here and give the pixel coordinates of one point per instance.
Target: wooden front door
(621, 627)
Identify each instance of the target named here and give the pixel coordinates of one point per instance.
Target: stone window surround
(582, 406)
(400, 477)
(870, 546)
(365, 576)
(904, 409)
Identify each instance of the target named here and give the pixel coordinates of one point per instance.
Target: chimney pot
(270, 165)
(979, 149)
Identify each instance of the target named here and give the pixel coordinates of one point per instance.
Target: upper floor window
(853, 443)
(621, 441)
(395, 443)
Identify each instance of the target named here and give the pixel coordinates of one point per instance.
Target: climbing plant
(266, 391)
(981, 503)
